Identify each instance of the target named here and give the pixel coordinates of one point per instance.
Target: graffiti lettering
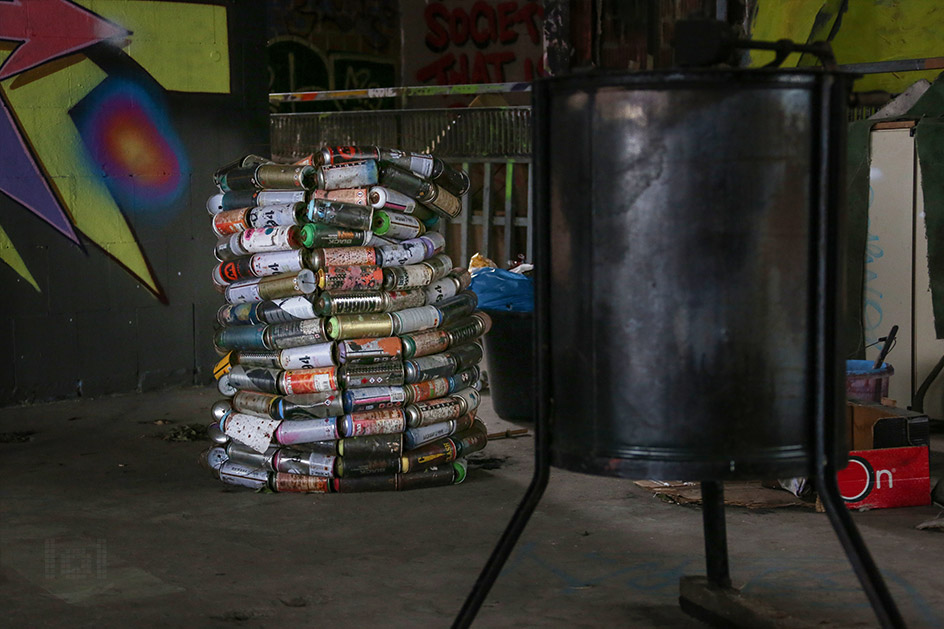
(493, 28)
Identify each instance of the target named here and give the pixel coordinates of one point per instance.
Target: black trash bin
(509, 348)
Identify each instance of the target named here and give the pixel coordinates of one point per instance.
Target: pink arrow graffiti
(49, 29)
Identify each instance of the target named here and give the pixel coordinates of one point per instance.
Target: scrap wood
(508, 434)
(750, 494)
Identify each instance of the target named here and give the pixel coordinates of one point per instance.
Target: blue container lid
(864, 367)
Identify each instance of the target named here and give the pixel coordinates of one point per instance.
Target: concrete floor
(105, 524)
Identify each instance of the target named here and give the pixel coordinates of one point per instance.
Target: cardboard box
(888, 477)
(873, 426)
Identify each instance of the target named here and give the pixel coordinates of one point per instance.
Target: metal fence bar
(471, 89)
(466, 219)
(509, 210)
(486, 208)
(530, 220)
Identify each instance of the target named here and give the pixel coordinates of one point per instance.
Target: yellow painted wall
(872, 30)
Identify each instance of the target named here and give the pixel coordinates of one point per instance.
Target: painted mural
(86, 132)
(317, 45)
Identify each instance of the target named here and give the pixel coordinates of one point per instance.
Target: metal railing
(492, 144)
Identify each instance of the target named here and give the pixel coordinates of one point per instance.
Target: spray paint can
(355, 466)
(354, 376)
(370, 350)
(250, 159)
(435, 242)
(467, 355)
(293, 334)
(238, 314)
(439, 452)
(425, 343)
(420, 164)
(242, 337)
(402, 254)
(471, 440)
(350, 302)
(267, 359)
(416, 437)
(372, 445)
(343, 327)
(350, 278)
(348, 175)
(416, 319)
(433, 411)
(441, 264)
(295, 431)
(373, 398)
(305, 463)
(254, 379)
(343, 256)
(429, 367)
(378, 422)
(243, 476)
(285, 309)
(403, 299)
(263, 239)
(274, 215)
(427, 390)
(328, 236)
(256, 403)
(269, 176)
(373, 240)
(213, 458)
(404, 182)
(397, 226)
(244, 455)
(279, 197)
(441, 201)
(312, 405)
(339, 214)
(259, 265)
(341, 154)
(437, 476)
(454, 180)
(466, 329)
(229, 247)
(469, 397)
(465, 378)
(284, 482)
(455, 308)
(216, 434)
(463, 277)
(302, 381)
(272, 287)
(441, 290)
(406, 277)
(357, 196)
(308, 356)
(220, 410)
(214, 204)
(381, 198)
(231, 222)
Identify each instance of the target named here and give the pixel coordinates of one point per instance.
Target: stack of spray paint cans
(350, 342)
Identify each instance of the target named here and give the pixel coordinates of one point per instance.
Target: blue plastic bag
(498, 289)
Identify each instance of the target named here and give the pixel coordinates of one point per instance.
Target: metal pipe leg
(716, 541)
(856, 550)
(512, 532)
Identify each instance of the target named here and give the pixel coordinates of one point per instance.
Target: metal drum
(687, 325)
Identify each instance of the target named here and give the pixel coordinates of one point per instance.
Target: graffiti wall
(465, 41)
(113, 116)
(318, 45)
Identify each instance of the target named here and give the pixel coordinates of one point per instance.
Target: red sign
(889, 477)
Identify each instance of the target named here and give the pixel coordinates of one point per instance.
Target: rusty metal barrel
(689, 228)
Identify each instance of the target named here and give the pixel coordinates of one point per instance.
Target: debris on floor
(750, 494)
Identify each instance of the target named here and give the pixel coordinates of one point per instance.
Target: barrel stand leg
(542, 471)
(862, 563)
